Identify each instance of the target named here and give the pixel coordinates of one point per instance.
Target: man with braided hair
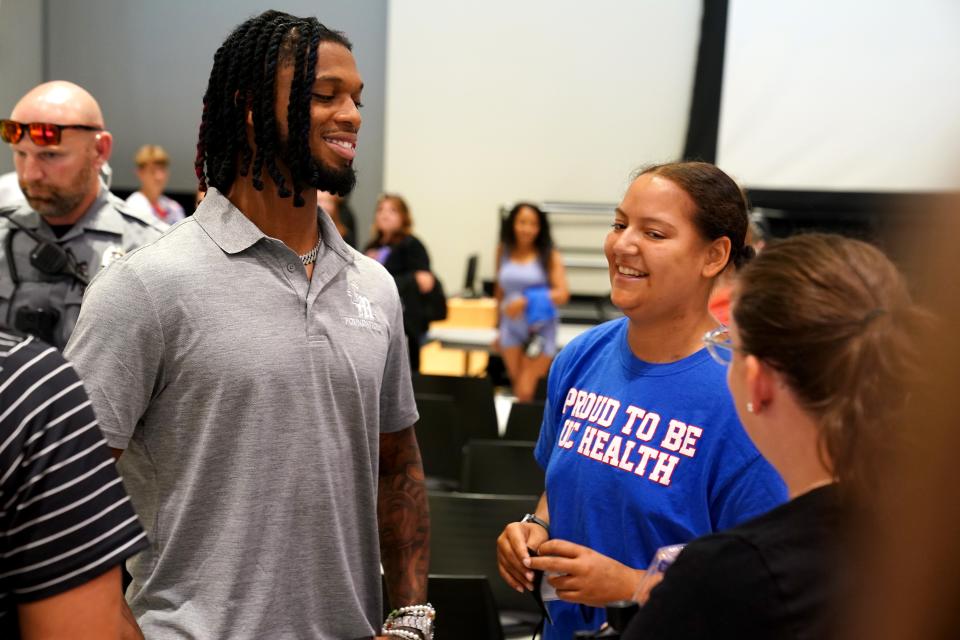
(252, 370)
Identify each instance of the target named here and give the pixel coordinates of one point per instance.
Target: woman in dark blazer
(404, 256)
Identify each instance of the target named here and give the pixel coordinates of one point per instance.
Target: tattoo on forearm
(404, 519)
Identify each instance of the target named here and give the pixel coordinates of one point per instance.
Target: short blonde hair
(151, 154)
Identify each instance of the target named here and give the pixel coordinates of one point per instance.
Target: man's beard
(317, 174)
(337, 181)
(52, 202)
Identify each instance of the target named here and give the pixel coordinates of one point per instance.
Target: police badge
(111, 254)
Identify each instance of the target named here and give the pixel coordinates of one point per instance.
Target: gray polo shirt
(250, 403)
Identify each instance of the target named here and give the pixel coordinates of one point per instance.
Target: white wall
(825, 95)
(21, 57)
(489, 103)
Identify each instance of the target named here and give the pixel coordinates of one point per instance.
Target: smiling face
(526, 227)
(659, 262)
(334, 117)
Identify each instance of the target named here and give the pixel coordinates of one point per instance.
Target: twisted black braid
(231, 111)
(261, 102)
(210, 114)
(244, 77)
(303, 132)
(295, 116)
(242, 84)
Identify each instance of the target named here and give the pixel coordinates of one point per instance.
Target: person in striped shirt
(66, 523)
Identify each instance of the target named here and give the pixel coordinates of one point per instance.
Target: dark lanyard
(11, 263)
(14, 275)
(47, 257)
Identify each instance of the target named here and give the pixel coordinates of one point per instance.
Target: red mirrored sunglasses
(43, 134)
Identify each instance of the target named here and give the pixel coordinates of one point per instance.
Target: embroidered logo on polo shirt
(365, 317)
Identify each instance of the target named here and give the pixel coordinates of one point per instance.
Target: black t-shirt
(64, 515)
(60, 230)
(776, 576)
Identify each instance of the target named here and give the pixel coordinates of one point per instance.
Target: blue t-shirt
(640, 455)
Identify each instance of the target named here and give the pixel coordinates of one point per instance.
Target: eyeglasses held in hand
(43, 134)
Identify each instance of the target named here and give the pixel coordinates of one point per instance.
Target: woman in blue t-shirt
(640, 441)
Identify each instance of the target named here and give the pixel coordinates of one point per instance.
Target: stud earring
(749, 407)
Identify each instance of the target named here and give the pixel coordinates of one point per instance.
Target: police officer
(71, 225)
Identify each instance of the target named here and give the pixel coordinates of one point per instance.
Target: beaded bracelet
(413, 622)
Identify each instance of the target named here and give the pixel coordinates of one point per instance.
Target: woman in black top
(404, 256)
(821, 346)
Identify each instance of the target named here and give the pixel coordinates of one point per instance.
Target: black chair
(473, 398)
(497, 371)
(441, 440)
(463, 541)
(465, 607)
(540, 394)
(501, 466)
(524, 420)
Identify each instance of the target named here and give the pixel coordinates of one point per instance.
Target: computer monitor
(470, 282)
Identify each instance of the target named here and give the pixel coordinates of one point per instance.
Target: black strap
(14, 275)
(11, 263)
(45, 248)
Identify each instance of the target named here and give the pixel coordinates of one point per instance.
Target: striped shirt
(64, 515)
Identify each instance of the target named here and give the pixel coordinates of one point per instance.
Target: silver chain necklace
(311, 256)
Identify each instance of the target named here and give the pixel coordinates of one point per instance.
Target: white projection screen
(842, 95)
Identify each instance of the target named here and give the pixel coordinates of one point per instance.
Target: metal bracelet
(532, 517)
(404, 621)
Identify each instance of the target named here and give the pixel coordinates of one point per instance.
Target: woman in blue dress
(531, 284)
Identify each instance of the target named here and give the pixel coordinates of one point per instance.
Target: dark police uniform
(46, 304)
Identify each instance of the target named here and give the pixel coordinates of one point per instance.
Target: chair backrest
(524, 421)
(501, 466)
(540, 394)
(465, 607)
(473, 398)
(441, 440)
(463, 539)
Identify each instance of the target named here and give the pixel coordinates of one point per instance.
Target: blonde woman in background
(153, 172)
